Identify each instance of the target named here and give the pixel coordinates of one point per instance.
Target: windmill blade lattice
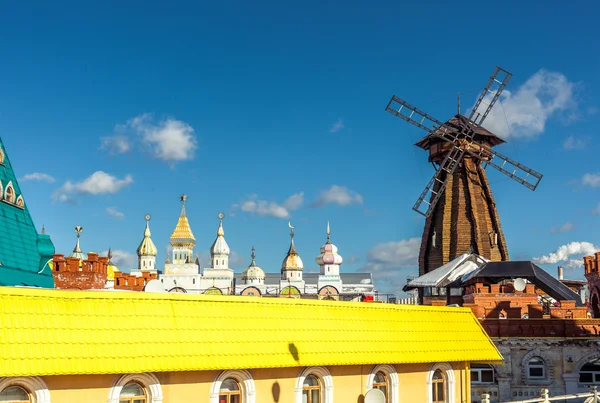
(494, 88)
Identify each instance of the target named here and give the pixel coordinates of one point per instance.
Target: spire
(328, 233)
(43, 229)
(77, 248)
(219, 251)
(109, 254)
(147, 247)
(292, 245)
(459, 103)
(292, 261)
(220, 231)
(183, 198)
(183, 235)
(253, 255)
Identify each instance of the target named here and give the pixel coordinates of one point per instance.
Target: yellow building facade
(137, 347)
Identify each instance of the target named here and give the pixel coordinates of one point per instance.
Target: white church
(182, 272)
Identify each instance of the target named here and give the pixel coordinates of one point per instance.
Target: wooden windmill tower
(458, 205)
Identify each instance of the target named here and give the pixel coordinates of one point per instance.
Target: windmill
(458, 205)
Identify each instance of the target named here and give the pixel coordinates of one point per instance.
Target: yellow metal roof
(52, 332)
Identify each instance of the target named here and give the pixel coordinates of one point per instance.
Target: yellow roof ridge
(62, 332)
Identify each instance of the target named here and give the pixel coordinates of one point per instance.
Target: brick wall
(133, 282)
(68, 275)
(591, 264)
(497, 301)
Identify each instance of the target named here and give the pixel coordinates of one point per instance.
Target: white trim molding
(147, 380)
(391, 374)
(245, 380)
(324, 376)
(450, 382)
(32, 384)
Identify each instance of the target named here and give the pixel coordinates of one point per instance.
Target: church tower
(219, 251)
(291, 282)
(182, 246)
(330, 282)
(147, 250)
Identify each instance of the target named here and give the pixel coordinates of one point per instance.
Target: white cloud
(254, 205)
(113, 212)
(596, 210)
(38, 176)
(565, 254)
(528, 108)
(592, 180)
(573, 143)
(337, 126)
(340, 195)
(117, 144)
(167, 140)
(391, 262)
(125, 261)
(97, 183)
(568, 226)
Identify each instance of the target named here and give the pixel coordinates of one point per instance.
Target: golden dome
(147, 247)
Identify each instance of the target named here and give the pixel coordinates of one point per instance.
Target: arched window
(590, 372)
(384, 378)
(441, 384)
(133, 392)
(230, 391)
(233, 387)
(311, 390)
(536, 368)
(15, 394)
(28, 389)
(314, 385)
(135, 388)
(380, 382)
(20, 201)
(9, 194)
(438, 387)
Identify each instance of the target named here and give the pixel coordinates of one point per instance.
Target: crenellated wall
(72, 274)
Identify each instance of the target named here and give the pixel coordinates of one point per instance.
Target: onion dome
(77, 250)
(329, 251)
(111, 268)
(219, 246)
(182, 235)
(147, 247)
(292, 261)
(253, 272)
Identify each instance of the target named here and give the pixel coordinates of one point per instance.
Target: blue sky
(274, 111)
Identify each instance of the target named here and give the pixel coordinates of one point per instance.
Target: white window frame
(542, 366)
(324, 376)
(32, 384)
(450, 382)
(392, 377)
(243, 377)
(148, 381)
(479, 370)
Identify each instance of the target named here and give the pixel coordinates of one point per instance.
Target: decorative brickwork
(72, 274)
(591, 264)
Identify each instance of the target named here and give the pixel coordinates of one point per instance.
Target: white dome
(220, 247)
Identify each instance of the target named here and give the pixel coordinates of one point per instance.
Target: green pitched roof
(23, 252)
